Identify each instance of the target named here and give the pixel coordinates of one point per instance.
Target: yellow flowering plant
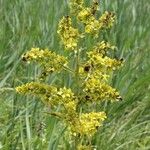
(90, 74)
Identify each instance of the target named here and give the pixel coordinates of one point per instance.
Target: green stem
(76, 143)
(77, 70)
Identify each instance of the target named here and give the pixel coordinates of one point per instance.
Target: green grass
(23, 123)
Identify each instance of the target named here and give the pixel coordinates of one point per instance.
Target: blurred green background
(31, 23)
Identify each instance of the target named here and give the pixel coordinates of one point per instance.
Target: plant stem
(77, 70)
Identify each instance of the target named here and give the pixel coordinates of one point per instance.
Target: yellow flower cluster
(84, 147)
(85, 15)
(50, 61)
(66, 98)
(102, 48)
(38, 89)
(84, 124)
(103, 63)
(95, 74)
(93, 25)
(75, 6)
(50, 94)
(69, 35)
(88, 123)
(98, 63)
(107, 19)
(96, 89)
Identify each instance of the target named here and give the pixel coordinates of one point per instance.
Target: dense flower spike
(89, 78)
(88, 123)
(84, 15)
(107, 19)
(103, 63)
(96, 89)
(50, 61)
(102, 47)
(67, 33)
(49, 94)
(87, 17)
(95, 7)
(38, 89)
(75, 6)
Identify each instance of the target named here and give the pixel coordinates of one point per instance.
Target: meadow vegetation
(24, 123)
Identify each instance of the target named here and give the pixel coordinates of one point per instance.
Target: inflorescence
(93, 72)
